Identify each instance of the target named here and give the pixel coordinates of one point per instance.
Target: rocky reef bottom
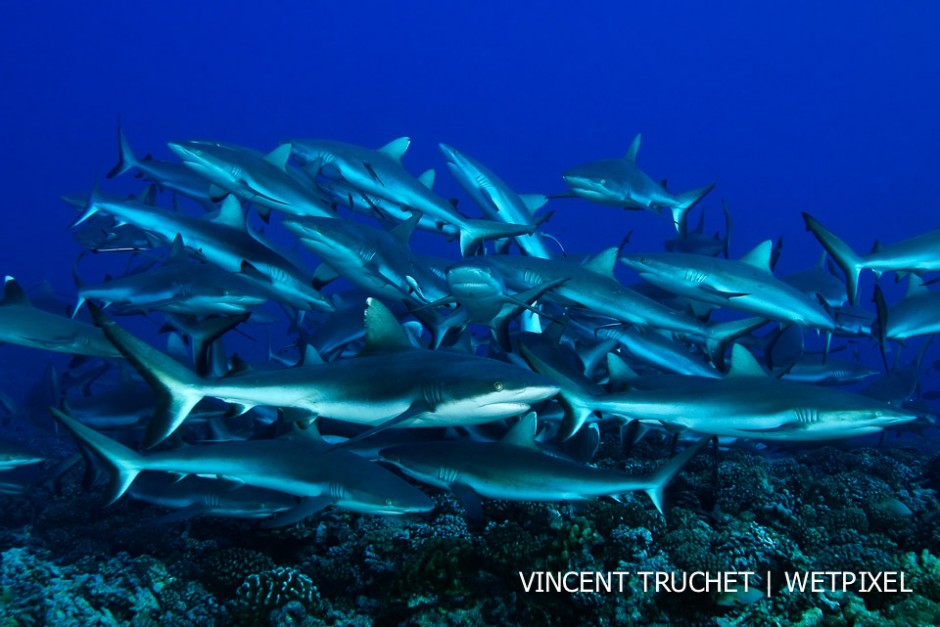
(67, 560)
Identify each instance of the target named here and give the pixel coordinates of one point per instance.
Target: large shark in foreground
(427, 388)
(621, 183)
(515, 469)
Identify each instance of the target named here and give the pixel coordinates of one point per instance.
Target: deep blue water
(787, 107)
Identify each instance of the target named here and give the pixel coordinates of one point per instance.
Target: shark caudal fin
(847, 259)
(721, 334)
(474, 232)
(123, 463)
(684, 202)
(178, 388)
(126, 159)
(660, 479)
(577, 394)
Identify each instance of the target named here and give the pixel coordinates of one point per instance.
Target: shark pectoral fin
(416, 409)
(470, 500)
(724, 294)
(306, 508)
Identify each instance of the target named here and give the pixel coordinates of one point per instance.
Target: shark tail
(474, 232)
(847, 259)
(178, 388)
(577, 401)
(123, 463)
(126, 159)
(660, 479)
(721, 334)
(684, 202)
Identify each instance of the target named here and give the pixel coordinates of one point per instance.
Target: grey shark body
(25, 325)
(427, 389)
(593, 285)
(746, 284)
(377, 261)
(252, 176)
(496, 199)
(380, 173)
(221, 238)
(293, 466)
(917, 255)
(515, 469)
(621, 183)
(746, 403)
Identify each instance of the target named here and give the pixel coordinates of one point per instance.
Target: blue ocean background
(829, 108)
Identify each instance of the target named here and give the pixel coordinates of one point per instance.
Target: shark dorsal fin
(383, 332)
(759, 257)
(177, 249)
(634, 149)
(279, 156)
(915, 287)
(230, 213)
(603, 263)
(523, 432)
(743, 364)
(427, 178)
(619, 372)
(396, 148)
(533, 202)
(13, 293)
(404, 230)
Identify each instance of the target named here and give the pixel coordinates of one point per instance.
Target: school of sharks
(493, 374)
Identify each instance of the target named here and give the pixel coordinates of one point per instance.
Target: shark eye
(388, 501)
(603, 181)
(498, 386)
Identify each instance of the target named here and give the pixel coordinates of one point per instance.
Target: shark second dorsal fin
(603, 263)
(427, 178)
(230, 213)
(743, 364)
(383, 332)
(759, 257)
(634, 149)
(13, 293)
(396, 148)
(522, 433)
(279, 156)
